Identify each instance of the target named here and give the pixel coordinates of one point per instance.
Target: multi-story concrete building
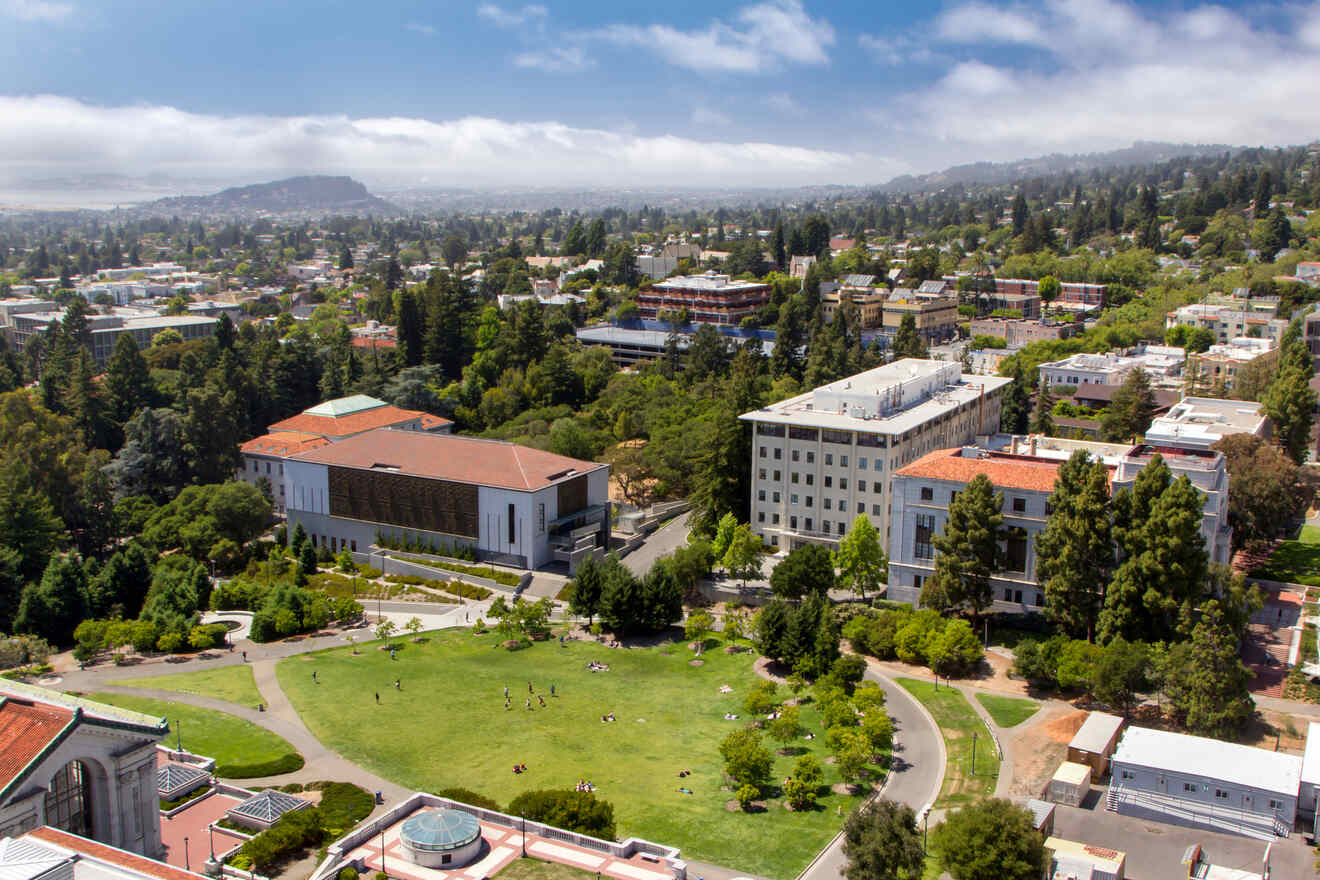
(821, 458)
(1227, 322)
(106, 329)
(1017, 332)
(1025, 472)
(1073, 295)
(936, 316)
(1225, 362)
(1197, 423)
(708, 299)
(869, 300)
(1087, 369)
(509, 503)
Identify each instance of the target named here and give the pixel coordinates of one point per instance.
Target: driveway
(662, 542)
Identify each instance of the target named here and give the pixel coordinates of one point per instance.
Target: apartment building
(1227, 322)
(709, 299)
(859, 290)
(1087, 369)
(936, 316)
(1225, 362)
(1073, 295)
(821, 458)
(1025, 470)
(1017, 332)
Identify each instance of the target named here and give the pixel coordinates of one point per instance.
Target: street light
(925, 827)
(973, 752)
(382, 851)
(524, 833)
(186, 865)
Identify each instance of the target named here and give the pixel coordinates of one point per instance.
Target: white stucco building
(822, 458)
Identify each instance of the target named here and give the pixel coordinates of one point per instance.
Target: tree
(345, 257)
(993, 839)
(1130, 412)
(720, 481)
(385, 628)
(800, 788)
(907, 342)
(881, 842)
(1042, 416)
(56, 605)
(409, 330)
(1120, 673)
(1216, 694)
(1290, 404)
(1074, 552)
(787, 726)
(1156, 588)
(807, 570)
(414, 626)
(579, 811)
(724, 530)
(746, 760)
(968, 548)
(584, 601)
(861, 561)
(743, 558)
(1267, 489)
(454, 249)
(28, 524)
(127, 380)
(1049, 289)
(1015, 410)
(698, 625)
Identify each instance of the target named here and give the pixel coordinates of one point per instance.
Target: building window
(353, 546)
(513, 533)
(861, 464)
(921, 548)
(953, 496)
(927, 493)
(763, 452)
(843, 461)
(793, 499)
(779, 453)
(843, 506)
(775, 497)
(1189, 786)
(1220, 794)
(1127, 774)
(792, 522)
(760, 494)
(825, 526)
(760, 473)
(843, 528)
(811, 478)
(778, 476)
(808, 523)
(843, 482)
(827, 503)
(796, 455)
(861, 485)
(829, 481)
(1276, 805)
(1019, 505)
(793, 478)
(829, 459)
(811, 458)
(540, 519)
(1015, 550)
(809, 498)
(760, 516)
(875, 510)
(774, 539)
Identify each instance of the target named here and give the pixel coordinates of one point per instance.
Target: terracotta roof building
(509, 503)
(334, 420)
(1025, 470)
(47, 852)
(79, 766)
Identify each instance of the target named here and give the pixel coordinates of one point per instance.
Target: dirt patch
(732, 806)
(1064, 728)
(844, 789)
(1038, 750)
(696, 663)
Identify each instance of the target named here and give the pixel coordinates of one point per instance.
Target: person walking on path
(552, 690)
(397, 685)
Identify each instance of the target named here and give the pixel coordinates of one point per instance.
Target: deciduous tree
(882, 842)
(861, 560)
(993, 839)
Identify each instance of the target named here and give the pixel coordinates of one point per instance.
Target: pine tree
(1290, 404)
(1216, 697)
(84, 403)
(409, 330)
(1015, 408)
(967, 551)
(1021, 214)
(346, 258)
(1131, 410)
(778, 247)
(1074, 553)
(127, 380)
(1132, 506)
(1042, 417)
(907, 342)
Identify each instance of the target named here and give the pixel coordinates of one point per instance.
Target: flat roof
(1072, 773)
(1311, 758)
(450, 457)
(1071, 854)
(628, 336)
(1210, 759)
(890, 399)
(1203, 420)
(1096, 733)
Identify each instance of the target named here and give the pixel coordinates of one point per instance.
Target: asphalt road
(662, 542)
(916, 775)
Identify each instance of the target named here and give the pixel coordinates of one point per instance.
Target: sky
(584, 93)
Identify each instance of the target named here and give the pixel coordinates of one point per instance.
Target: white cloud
(783, 102)
(706, 117)
(1104, 73)
(50, 136)
(555, 60)
(763, 36)
(417, 28)
(533, 13)
(36, 10)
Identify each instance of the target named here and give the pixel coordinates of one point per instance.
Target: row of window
(1220, 793)
(1018, 505)
(796, 455)
(335, 544)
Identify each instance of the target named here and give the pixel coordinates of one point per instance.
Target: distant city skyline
(586, 93)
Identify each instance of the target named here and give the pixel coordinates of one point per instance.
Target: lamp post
(382, 851)
(524, 833)
(210, 832)
(178, 733)
(973, 752)
(186, 865)
(925, 827)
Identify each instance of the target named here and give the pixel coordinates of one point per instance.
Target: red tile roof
(113, 855)
(353, 423)
(25, 730)
(1005, 471)
(283, 443)
(450, 457)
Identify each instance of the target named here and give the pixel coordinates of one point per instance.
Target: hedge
(286, 763)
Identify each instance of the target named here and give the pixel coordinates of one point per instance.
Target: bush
(349, 873)
(369, 572)
(293, 833)
(342, 806)
(284, 764)
(470, 797)
(170, 642)
(579, 811)
(746, 795)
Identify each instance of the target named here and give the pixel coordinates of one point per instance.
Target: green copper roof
(440, 830)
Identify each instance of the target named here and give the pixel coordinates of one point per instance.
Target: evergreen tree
(1015, 408)
(1131, 507)
(1156, 589)
(53, 607)
(1216, 697)
(1074, 552)
(84, 403)
(1290, 403)
(346, 257)
(127, 381)
(882, 843)
(719, 490)
(1131, 410)
(1042, 417)
(1021, 213)
(409, 330)
(967, 551)
(393, 274)
(778, 247)
(907, 342)
(587, 584)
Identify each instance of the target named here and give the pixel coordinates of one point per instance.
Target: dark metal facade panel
(402, 500)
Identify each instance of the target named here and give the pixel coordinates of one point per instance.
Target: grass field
(1007, 711)
(232, 683)
(448, 727)
(1296, 561)
(241, 749)
(958, 721)
(535, 869)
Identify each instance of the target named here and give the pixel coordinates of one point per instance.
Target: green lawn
(448, 727)
(241, 749)
(958, 721)
(1296, 561)
(1007, 711)
(535, 869)
(232, 683)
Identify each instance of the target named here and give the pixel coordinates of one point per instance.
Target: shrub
(349, 873)
(286, 763)
(169, 642)
(369, 572)
(746, 795)
(470, 797)
(578, 811)
(342, 806)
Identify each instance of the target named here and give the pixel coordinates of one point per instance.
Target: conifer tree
(967, 551)
(1131, 410)
(907, 342)
(1042, 417)
(1074, 553)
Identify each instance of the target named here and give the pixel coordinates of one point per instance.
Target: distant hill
(1001, 173)
(294, 195)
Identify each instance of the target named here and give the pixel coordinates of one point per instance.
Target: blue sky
(578, 93)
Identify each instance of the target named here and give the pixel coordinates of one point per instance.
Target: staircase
(1112, 798)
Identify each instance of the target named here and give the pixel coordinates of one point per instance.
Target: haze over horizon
(767, 93)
